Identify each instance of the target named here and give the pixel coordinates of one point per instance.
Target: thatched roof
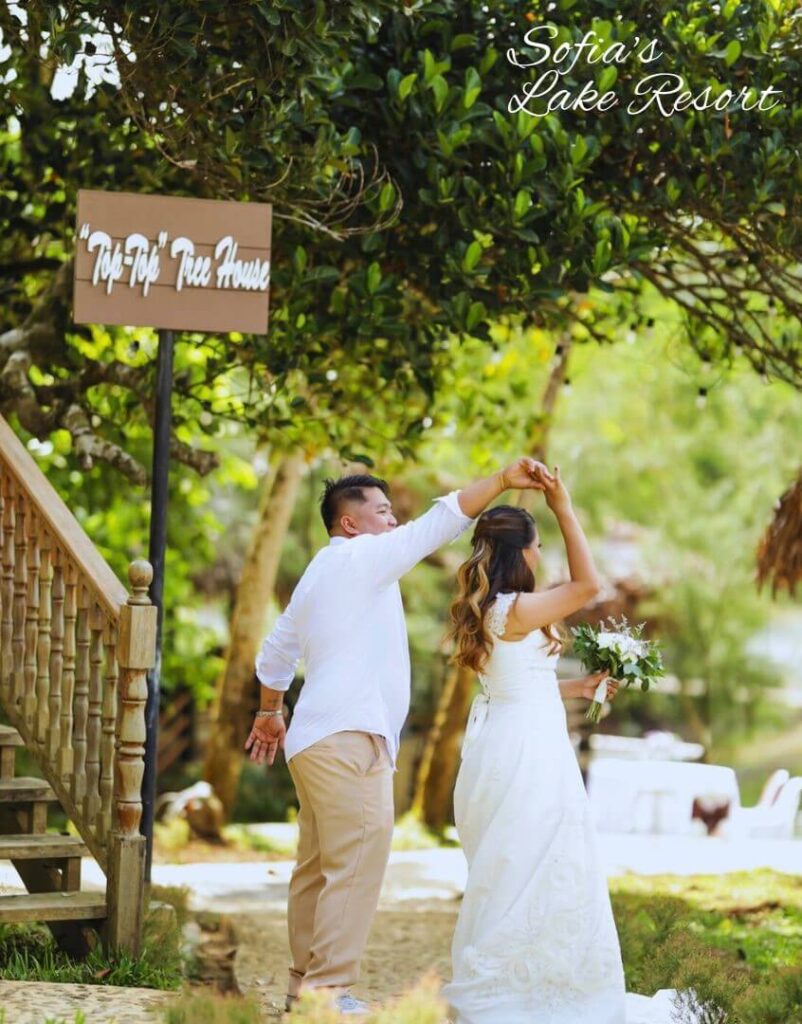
(779, 554)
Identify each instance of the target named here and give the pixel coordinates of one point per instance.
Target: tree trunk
(231, 715)
(438, 767)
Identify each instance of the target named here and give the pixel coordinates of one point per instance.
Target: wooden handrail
(110, 592)
(75, 650)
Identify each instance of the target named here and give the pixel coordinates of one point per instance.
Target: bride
(535, 941)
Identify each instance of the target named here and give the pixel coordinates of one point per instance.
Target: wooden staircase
(74, 652)
(34, 852)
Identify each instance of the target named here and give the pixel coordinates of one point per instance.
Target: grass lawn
(735, 938)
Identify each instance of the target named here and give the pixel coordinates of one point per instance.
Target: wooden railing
(175, 731)
(74, 652)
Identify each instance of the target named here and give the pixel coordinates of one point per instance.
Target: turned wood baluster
(41, 709)
(80, 703)
(2, 567)
(31, 622)
(65, 757)
(20, 599)
(56, 656)
(135, 657)
(92, 795)
(7, 622)
(136, 654)
(108, 733)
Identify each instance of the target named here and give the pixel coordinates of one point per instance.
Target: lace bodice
(518, 669)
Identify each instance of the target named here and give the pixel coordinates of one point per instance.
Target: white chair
(771, 790)
(773, 817)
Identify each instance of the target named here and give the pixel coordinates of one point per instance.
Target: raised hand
(557, 497)
(526, 474)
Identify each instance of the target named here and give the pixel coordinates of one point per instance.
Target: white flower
(606, 641)
(625, 646)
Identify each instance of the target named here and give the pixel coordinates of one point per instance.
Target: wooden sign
(165, 261)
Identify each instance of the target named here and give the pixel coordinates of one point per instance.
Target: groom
(346, 620)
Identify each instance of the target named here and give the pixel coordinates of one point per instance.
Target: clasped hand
(526, 474)
(589, 684)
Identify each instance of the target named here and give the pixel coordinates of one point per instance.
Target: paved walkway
(439, 874)
(33, 1002)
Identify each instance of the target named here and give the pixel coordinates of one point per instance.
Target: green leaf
(601, 256)
(476, 314)
(473, 86)
(374, 277)
(359, 457)
(522, 202)
(489, 59)
(440, 89)
(366, 80)
(579, 149)
(353, 137)
(472, 256)
(607, 78)
(323, 274)
(732, 52)
(300, 259)
(428, 66)
(463, 40)
(386, 197)
(405, 85)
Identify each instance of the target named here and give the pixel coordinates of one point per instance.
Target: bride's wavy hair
(496, 565)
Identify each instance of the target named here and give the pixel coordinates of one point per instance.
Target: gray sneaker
(350, 1007)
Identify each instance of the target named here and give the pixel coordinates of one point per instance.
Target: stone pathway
(404, 945)
(33, 1002)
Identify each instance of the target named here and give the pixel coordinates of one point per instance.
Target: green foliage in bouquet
(621, 652)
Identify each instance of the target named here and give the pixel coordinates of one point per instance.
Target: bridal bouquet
(621, 652)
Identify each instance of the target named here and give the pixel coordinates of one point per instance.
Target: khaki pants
(345, 788)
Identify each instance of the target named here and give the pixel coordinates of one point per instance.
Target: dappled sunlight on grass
(735, 938)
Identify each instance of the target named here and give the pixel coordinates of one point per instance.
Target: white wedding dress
(535, 941)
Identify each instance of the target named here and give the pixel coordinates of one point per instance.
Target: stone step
(39, 846)
(52, 906)
(24, 789)
(9, 737)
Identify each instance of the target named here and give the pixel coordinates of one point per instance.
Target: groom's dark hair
(348, 488)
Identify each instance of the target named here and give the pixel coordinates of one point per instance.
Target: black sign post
(156, 554)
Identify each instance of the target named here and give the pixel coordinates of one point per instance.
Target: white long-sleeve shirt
(346, 620)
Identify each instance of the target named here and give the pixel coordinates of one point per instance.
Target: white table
(655, 746)
(655, 797)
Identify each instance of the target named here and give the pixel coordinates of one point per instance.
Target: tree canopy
(410, 203)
